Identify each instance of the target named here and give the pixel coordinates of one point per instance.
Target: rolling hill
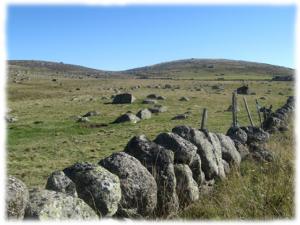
(216, 69)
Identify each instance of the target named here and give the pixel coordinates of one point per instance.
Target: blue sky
(123, 37)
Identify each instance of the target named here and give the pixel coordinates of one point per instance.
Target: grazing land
(46, 137)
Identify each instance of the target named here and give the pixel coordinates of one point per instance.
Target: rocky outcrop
(99, 188)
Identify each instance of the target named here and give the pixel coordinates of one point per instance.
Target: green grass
(255, 190)
(36, 150)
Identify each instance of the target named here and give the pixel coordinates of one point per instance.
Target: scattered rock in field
(180, 117)
(74, 99)
(51, 205)
(74, 117)
(159, 162)
(262, 98)
(16, 198)
(184, 99)
(149, 101)
(167, 86)
(144, 114)
(59, 182)
(10, 119)
(152, 96)
(38, 122)
(244, 90)
(139, 190)
(124, 98)
(229, 152)
(186, 187)
(158, 109)
(127, 117)
(83, 120)
(91, 113)
(99, 188)
(161, 98)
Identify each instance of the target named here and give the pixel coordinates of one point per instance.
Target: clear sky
(123, 37)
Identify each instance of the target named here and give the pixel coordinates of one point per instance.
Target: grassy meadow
(47, 138)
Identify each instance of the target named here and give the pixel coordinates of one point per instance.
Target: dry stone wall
(149, 179)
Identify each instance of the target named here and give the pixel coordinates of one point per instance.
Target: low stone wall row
(149, 179)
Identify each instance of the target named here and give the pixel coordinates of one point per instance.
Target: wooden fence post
(248, 112)
(234, 109)
(204, 118)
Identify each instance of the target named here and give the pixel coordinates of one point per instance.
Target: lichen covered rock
(52, 205)
(139, 190)
(16, 198)
(98, 187)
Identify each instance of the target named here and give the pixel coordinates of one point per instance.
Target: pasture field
(46, 137)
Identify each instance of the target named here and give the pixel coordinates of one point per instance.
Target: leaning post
(248, 111)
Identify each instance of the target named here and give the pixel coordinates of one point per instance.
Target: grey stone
(208, 147)
(144, 114)
(229, 152)
(226, 167)
(158, 109)
(259, 153)
(124, 98)
(159, 162)
(256, 134)
(149, 101)
(185, 152)
(83, 120)
(52, 205)
(59, 182)
(99, 188)
(237, 134)
(127, 117)
(139, 190)
(180, 117)
(16, 198)
(187, 188)
(184, 99)
(91, 113)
